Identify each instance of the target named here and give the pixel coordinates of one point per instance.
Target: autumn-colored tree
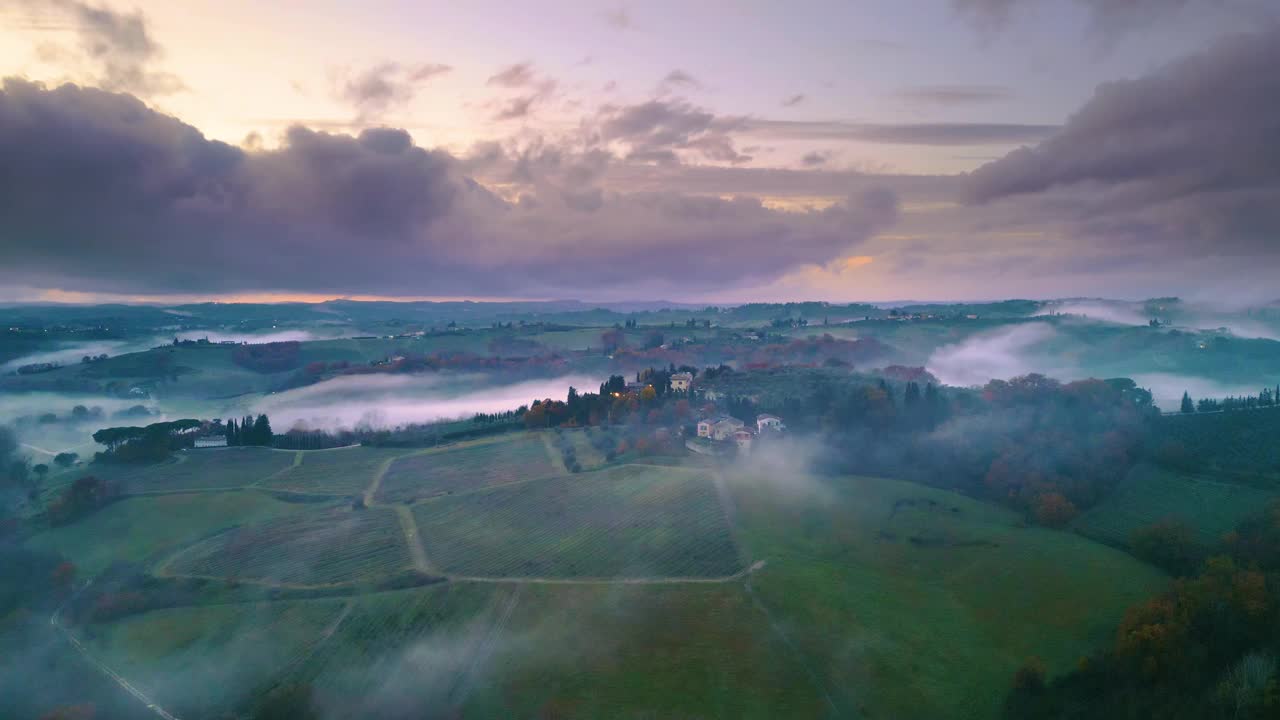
(1054, 510)
(83, 711)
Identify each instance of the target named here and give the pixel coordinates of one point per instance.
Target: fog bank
(384, 401)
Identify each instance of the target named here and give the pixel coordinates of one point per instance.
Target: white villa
(680, 381)
(719, 428)
(769, 422)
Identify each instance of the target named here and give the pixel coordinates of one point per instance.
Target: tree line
(1267, 398)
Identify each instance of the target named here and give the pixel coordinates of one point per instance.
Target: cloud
(955, 94)
(1183, 162)
(676, 80)
(618, 18)
(793, 100)
(375, 90)
(516, 108)
(100, 193)
(1108, 19)
(120, 46)
(817, 158)
(901, 134)
(662, 127)
(513, 76)
(521, 76)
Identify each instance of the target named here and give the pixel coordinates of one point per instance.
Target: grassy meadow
(1150, 494)
(937, 598)
(628, 521)
(605, 593)
(473, 465)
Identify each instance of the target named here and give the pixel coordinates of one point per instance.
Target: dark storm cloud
(901, 134)
(1180, 168)
(379, 88)
(955, 94)
(120, 47)
(1188, 155)
(100, 193)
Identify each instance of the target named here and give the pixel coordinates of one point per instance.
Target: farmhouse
(744, 438)
(719, 427)
(771, 423)
(680, 381)
(211, 441)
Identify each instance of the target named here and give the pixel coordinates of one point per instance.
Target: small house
(724, 428)
(744, 438)
(211, 441)
(771, 423)
(681, 381)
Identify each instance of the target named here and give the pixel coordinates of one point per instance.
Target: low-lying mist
(385, 401)
(1002, 353)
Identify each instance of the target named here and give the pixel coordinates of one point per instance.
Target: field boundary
(104, 669)
(413, 539)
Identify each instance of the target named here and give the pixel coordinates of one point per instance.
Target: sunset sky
(692, 151)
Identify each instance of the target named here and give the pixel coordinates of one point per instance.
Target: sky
(692, 151)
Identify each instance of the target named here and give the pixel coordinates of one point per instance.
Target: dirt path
(376, 482)
(799, 656)
(102, 667)
(556, 457)
(414, 541)
(670, 580)
(457, 695)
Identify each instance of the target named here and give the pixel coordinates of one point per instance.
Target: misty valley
(357, 509)
(664, 360)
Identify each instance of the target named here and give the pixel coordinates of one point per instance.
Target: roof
(766, 416)
(682, 376)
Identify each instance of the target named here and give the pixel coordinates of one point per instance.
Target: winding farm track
(417, 552)
(124, 684)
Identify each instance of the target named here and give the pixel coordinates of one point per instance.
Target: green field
(321, 547)
(481, 464)
(147, 528)
(1150, 494)
(210, 468)
(204, 662)
(607, 593)
(470, 650)
(907, 609)
(341, 471)
(629, 521)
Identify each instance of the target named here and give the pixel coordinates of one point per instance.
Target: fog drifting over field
(253, 338)
(71, 353)
(1167, 388)
(1113, 312)
(1002, 353)
(385, 401)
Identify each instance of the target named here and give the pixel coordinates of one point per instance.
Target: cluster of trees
(1045, 448)
(1208, 647)
(1241, 445)
(269, 357)
(1267, 398)
(83, 497)
(654, 403)
(151, 443)
(18, 484)
(250, 431)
